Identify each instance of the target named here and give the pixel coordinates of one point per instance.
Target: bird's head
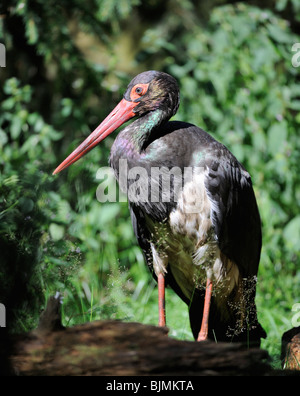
(152, 90)
(147, 92)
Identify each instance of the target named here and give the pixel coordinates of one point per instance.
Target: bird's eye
(139, 90)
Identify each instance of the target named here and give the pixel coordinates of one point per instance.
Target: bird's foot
(202, 335)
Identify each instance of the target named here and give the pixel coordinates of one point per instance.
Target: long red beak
(120, 114)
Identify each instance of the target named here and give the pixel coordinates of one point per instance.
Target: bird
(192, 207)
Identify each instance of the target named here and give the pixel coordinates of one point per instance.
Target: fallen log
(131, 349)
(106, 348)
(115, 348)
(290, 349)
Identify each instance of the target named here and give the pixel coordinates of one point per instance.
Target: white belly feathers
(186, 242)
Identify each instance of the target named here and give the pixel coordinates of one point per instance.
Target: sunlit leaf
(291, 232)
(277, 136)
(56, 231)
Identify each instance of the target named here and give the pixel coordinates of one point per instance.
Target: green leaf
(26, 205)
(31, 32)
(277, 136)
(3, 137)
(11, 181)
(16, 127)
(8, 104)
(57, 232)
(279, 34)
(109, 213)
(281, 5)
(11, 85)
(291, 232)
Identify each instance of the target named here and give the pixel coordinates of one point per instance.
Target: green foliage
(67, 65)
(248, 98)
(248, 94)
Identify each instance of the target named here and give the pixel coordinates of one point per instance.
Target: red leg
(204, 326)
(161, 300)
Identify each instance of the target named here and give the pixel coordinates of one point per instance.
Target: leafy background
(68, 64)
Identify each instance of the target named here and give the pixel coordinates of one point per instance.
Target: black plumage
(219, 239)
(235, 219)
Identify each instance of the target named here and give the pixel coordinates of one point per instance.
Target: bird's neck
(143, 130)
(133, 140)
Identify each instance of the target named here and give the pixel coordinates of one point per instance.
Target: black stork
(205, 241)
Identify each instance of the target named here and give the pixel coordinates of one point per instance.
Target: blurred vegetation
(68, 64)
